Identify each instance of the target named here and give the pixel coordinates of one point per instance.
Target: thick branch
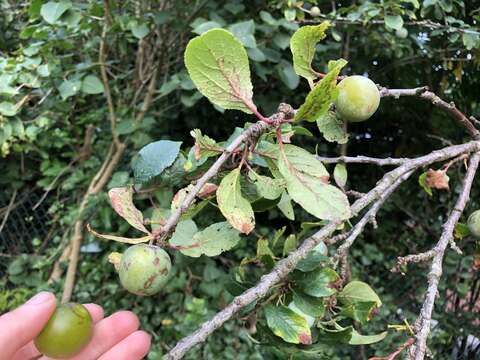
(423, 322)
(285, 266)
(449, 108)
(363, 160)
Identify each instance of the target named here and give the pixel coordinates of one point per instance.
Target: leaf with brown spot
(207, 190)
(437, 179)
(287, 324)
(122, 203)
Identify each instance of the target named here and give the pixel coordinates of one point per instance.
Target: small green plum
(315, 11)
(358, 98)
(473, 223)
(67, 332)
(310, 319)
(144, 269)
(401, 33)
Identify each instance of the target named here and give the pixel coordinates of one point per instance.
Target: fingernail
(40, 298)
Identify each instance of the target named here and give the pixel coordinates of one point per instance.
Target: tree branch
(363, 160)
(286, 265)
(423, 322)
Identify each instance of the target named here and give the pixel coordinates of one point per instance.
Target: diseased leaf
(332, 128)
(236, 209)
(154, 158)
(267, 187)
(211, 241)
(358, 291)
(437, 179)
(307, 184)
(302, 45)
(218, 65)
(122, 203)
(120, 239)
(360, 311)
(114, 258)
(340, 175)
(288, 325)
(92, 85)
(204, 145)
(319, 283)
(53, 10)
(324, 93)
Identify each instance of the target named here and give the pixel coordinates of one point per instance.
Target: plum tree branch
(423, 322)
(286, 265)
(363, 160)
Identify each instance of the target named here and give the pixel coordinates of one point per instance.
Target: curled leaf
(437, 179)
(120, 239)
(122, 203)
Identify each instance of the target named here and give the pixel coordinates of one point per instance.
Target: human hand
(114, 338)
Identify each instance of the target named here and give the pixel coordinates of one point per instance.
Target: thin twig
(9, 208)
(363, 160)
(422, 325)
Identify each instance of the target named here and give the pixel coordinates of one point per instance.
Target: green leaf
(53, 10)
(319, 283)
(358, 291)
(307, 184)
(154, 158)
(204, 145)
(332, 128)
(139, 30)
(358, 339)
(394, 22)
(290, 244)
(69, 88)
(360, 311)
(267, 187)
(288, 325)
(288, 75)
(211, 241)
(340, 175)
(470, 40)
(461, 230)
(324, 93)
(244, 31)
(422, 181)
(218, 65)
(122, 202)
(236, 209)
(285, 206)
(8, 109)
(92, 85)
(310, 305)
(302, 45)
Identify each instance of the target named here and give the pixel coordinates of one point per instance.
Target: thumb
(23, 324)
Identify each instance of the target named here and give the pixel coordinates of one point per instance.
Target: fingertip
(42, 298)
(142, 338)
(127, 318)
(96, 311)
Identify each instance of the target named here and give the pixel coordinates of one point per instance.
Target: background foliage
(51, 94)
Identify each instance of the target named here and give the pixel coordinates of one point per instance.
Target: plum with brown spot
(144, 269)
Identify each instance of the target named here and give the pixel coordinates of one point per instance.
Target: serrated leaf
(288, 325)
(92, 85)
(358, 339)
(319, 283)
(306, 180)
(332, 128)
(53, 10)
(204, 145)
(310, 305)
(285, 206)
(340, 175)
(211, 241)
(267, 187)
(122, 203)
(422, 181)
(324, 93)
(154, 158)
(302, 45)
(236, 209)
(358, 291)
(218, 65)
(120, 239)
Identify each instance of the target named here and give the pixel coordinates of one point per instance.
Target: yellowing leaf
(120, 239)
(288, 325)
(218, 65)
(122, 203)
(437, 179)
(236, 209)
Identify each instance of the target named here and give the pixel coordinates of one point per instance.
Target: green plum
(358, 98)
(401, 33)
(315, 11)
(310, 319)
(67, 332)
(144, 269)
(473, 223)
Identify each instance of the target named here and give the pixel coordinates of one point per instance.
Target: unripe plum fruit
(144, 269)
(401, 33)
(358, 98)
(310, 319)
(67, 332)
(315, 11)
(473, 223)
